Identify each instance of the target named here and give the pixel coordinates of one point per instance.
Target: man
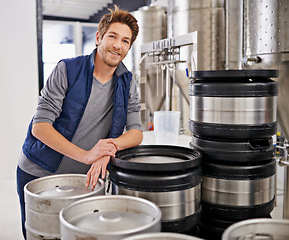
(83, 110)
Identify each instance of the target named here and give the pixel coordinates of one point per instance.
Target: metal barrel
(169, 176)
(161, 236)
(46, 196)
(264, 228)
(233, 104)
(109, 217)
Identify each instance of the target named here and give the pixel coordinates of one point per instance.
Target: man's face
(114, 45)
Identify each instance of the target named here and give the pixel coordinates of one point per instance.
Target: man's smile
(114, 53)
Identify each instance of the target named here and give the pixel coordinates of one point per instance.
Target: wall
(19, 78)
(18, 99)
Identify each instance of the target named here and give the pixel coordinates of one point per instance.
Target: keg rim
(235, 73)
(189, 158)
(258, 221)
(37, 196)
(67, 224)
(162, 235)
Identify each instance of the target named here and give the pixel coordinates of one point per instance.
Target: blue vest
(79, 77)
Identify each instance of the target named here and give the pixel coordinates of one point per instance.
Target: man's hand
(104, 147)
(97, 168)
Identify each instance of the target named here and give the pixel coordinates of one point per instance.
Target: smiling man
(88, 110)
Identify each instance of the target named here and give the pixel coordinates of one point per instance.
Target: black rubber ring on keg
(209, 232)
(216, 221)
(182, 225)
(189, 158)
(244, 73)
(245, 88)
(239, 171)
(230, 131)
(213, 228)
(155, 181)
(235, 150)
(237, 213)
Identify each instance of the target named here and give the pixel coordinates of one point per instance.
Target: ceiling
(82, 9)
(85, 9)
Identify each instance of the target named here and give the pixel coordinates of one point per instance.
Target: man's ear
(97, 38)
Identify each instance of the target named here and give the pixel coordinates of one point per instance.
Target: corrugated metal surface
(82, 9)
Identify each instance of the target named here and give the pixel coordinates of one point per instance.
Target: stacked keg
(233, 119)
(45, 197)
(62, 207)
(169, 176)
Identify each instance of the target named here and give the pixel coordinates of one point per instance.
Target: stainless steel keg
(233, 104)
(169, 176)
(161, 236)
(46, 196)
(245, 189)
(235, 191)
(109, 217)
(253, 229)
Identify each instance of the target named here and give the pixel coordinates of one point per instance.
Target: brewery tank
(152, 21)
(266, 45)
(208, 19)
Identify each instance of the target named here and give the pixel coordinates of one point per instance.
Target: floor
(10, 227)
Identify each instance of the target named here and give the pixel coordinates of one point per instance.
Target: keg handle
(259, 144)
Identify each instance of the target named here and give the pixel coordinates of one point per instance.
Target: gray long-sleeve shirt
(95, 123)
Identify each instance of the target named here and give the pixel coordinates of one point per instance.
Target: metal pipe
(234, 33)
(286, 187)
(283, 161)
(168, 83)
(39, 19)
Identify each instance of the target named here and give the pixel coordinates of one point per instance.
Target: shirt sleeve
(51, 99)
(133, 109)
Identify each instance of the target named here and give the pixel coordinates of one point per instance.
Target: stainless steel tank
(208, 18)
(266, 45)
(45, 197)
(109, 218)
(152, 21)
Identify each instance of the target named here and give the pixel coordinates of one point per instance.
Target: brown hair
(120, 16)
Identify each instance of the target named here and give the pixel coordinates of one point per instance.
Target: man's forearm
(46, 133)
(129, 139)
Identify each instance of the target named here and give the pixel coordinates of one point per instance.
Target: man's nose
(117, 44)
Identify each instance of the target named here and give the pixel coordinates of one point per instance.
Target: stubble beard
(110, 63)
(107, 61)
